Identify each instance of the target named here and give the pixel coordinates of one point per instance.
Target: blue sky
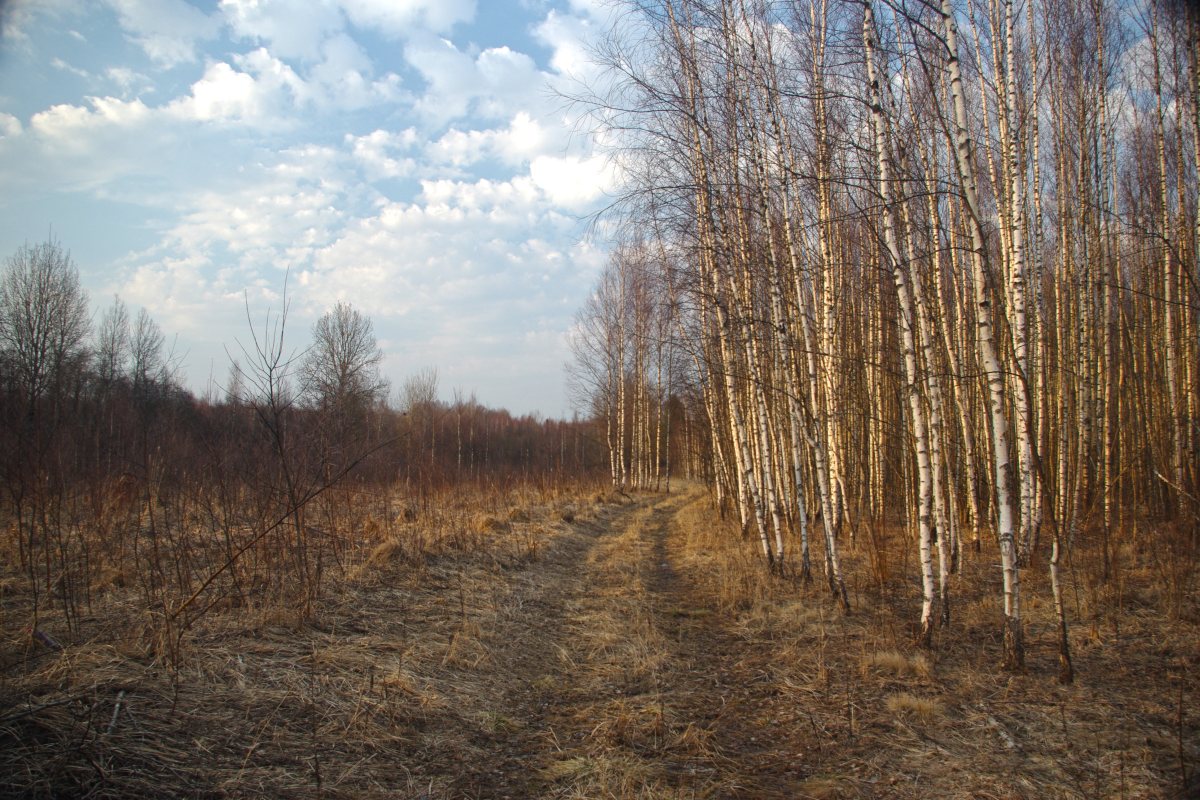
(407, 156)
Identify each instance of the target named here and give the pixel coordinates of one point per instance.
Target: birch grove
(905, 263)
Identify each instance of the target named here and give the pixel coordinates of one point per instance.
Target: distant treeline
(107, 463)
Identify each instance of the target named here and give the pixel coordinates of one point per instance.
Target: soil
(626, 653)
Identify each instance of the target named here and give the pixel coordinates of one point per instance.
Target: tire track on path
(659, 697)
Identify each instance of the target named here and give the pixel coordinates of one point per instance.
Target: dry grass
(913, 707)
(556, 646)
(488, 524)
(386, 687)
(1125, 728)
(896, 664)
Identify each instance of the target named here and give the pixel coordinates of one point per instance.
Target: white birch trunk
(989, 357)
(802, 422)
(907, 322)
(1169, 341)
(1017, 291)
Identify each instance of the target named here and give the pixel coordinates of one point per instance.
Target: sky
(413, 158)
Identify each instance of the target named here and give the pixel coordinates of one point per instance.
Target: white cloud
(86, 147)
(498, 200)
(451, 76)
(297, 29)
(457, 272)
(176, 289)
(265, 91)
(523, 138)
(293, 147)
(598, 10)
(273, 78)
(460, 148)
(454, 270)
(71, 125)
(244, 235)
(374, 153)
(223, 94)
(506, 74)
(263, 94)
(573, 182)
(291, 28)
(493, 85)
(399, 17)
(569, 38)
(344, 77)
(167, 30)
(10, 126)
(124, 147)
(59, 64)
(518, 143)
(280, 214)
(129, 81)
(16, 16)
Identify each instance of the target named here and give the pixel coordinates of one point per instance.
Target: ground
(626, 648)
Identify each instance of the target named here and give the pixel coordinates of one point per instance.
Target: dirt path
(547, 659)
(614, 678)
(581, 649)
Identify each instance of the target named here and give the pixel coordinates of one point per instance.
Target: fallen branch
(112, 724)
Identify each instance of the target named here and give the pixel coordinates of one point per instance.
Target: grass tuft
(570, 768)
(488, 523)
(913, 707)
(896, 664)
(386, 552)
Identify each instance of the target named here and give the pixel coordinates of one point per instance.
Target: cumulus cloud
(455, 268)
(457, 271)
(222, 93)
(176, 288)
(278, 215)
(457, 238)
(71, 125)
(597, 10)
(17, 16)
(128, 81)
(518, 143)
(343, 78)
(10, 126)
(59, 64)
(298, 29)
(167, 30)
(399, 17)
(83, 147)
(290, 28)
(243, 236)
(124, 148)
(376, 153)
(445, 207)
(262, 90)
(226, 94)
(568, 38)
(573, 182)
(509, 201)
(492, 85)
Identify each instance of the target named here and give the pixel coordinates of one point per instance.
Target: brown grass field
(604, 647)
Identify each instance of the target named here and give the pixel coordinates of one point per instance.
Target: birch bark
(990, 360)
(907, 323)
